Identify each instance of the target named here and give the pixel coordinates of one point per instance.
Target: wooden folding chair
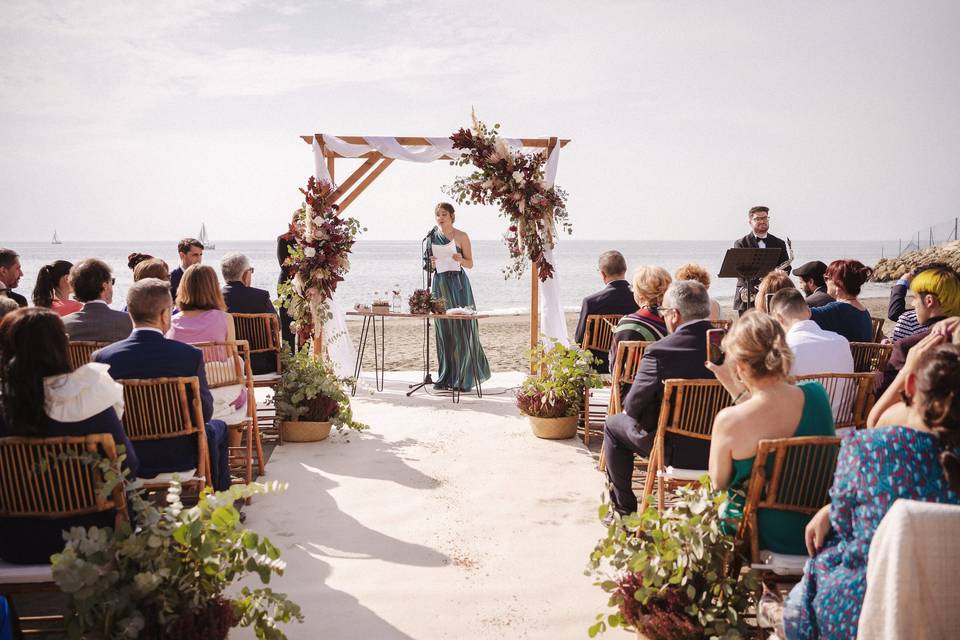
(870, 357)
(629, 353)
(46, 478)
(163, 408)
(688, 409)
(877, 328)
(262, 333)
(851, 396)
(81, 351)
(226, 368)
(252, 406)
(597, 336)
(798, 479)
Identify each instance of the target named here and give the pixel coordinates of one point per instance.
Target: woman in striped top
(649, 285)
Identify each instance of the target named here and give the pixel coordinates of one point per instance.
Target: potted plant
(168, 579)
(669, 575)
(552, 398)
(311, 399)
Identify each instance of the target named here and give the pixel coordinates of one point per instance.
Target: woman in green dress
(766, 406)
(462, 363)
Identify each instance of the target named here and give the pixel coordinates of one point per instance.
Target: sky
(138, 120)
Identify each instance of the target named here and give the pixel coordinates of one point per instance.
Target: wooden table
(379, 360)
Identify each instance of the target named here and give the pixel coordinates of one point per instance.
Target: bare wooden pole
(386, 162)
(352, 180)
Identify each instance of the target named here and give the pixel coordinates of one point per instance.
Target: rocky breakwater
(892, 268)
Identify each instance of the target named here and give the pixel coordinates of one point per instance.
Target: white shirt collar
(154, 329)
(97, 301)
(689, 322)
(760, 237)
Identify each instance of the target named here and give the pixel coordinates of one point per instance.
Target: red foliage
(210, 623)
(662, 618)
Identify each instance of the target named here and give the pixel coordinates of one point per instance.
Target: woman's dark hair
(938, 388)
(48, 279)
(136, 258)
(849, 274)
(33, 345)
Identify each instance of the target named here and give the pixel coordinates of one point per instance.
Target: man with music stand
(758, 238)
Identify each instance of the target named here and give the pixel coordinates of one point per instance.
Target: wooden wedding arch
(375, 163)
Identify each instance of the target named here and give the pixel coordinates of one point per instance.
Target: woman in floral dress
(915, 459)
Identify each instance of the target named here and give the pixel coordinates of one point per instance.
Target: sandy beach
(505, 339)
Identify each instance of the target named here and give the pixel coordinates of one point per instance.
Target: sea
(380, 267)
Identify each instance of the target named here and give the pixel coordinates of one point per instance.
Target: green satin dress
(782, 531)
(462, 362)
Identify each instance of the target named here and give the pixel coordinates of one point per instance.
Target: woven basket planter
(305, 431)
(554, 428)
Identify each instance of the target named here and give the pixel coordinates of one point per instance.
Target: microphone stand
(426, 250)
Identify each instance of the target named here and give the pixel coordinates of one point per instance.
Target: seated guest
(846, 315)
(52, 289)
(10, 274)
(202, 319)
(191, 253)
(92, 284)
(7, 305)
(148, 354)
(679, 355)
(915, 460)
(151, 268)
(936, 295)
(649, 285)
(240, 297)
(615, 298)
(136, 258)
(906, 319)
(812, 283)
(767, 406)
(692, 271)
(814, 350)
(771, 283)
(41, 395)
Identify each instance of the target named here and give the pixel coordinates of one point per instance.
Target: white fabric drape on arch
(340, 349)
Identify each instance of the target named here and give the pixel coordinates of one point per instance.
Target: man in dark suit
(616, 297)
(148, 354)
(191, 252)
(812, 284)
(10, 274)
(92, 283)
(240, 297)
(686, 311)
(758, 238)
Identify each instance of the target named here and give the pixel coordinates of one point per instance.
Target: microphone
(430, 233)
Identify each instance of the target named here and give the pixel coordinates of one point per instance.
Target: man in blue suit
(615, 298)
(240, 297)
(682, 354)
(148, 354)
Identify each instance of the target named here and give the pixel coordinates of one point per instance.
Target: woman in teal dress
(462, 363)
(767, 406)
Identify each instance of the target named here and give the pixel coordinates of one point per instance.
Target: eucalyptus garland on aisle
(319, 260)
(514, 181)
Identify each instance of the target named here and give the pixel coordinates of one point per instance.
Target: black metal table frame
(379, 362)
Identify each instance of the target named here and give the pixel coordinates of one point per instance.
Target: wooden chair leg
(258, 444)
(652, 464)
(660, 495)
(586, 418)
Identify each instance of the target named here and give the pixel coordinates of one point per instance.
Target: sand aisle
(441, 521)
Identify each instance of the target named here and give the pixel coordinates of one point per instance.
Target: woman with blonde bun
(767, 405)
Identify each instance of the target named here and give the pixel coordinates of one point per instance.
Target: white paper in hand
(444, 255)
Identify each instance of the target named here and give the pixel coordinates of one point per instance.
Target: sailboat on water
(204, 240)
(56, 239)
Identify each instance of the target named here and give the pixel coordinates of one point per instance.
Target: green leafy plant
(669, 575)
(557, 391)
(167, 578)
(310, 390)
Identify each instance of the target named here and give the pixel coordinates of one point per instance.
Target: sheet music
(444, 255)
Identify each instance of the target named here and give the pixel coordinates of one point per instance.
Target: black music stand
(749, 264)
(427, 252)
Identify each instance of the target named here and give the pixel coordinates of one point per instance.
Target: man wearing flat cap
(812, 283)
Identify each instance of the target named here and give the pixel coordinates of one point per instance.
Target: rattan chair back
(598, 331)
(851, 396)
(223, 364)
(877, 324)
(162, 408)
(81, 350)
(799, 481)
(870, 357)
(628, 356)
(56, 477)
(261, 331)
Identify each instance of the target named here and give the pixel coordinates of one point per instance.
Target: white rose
(309, 252)
(518, 177)
(318, 220)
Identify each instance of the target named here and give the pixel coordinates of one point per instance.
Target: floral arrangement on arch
(512, 180)
(319, 260)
